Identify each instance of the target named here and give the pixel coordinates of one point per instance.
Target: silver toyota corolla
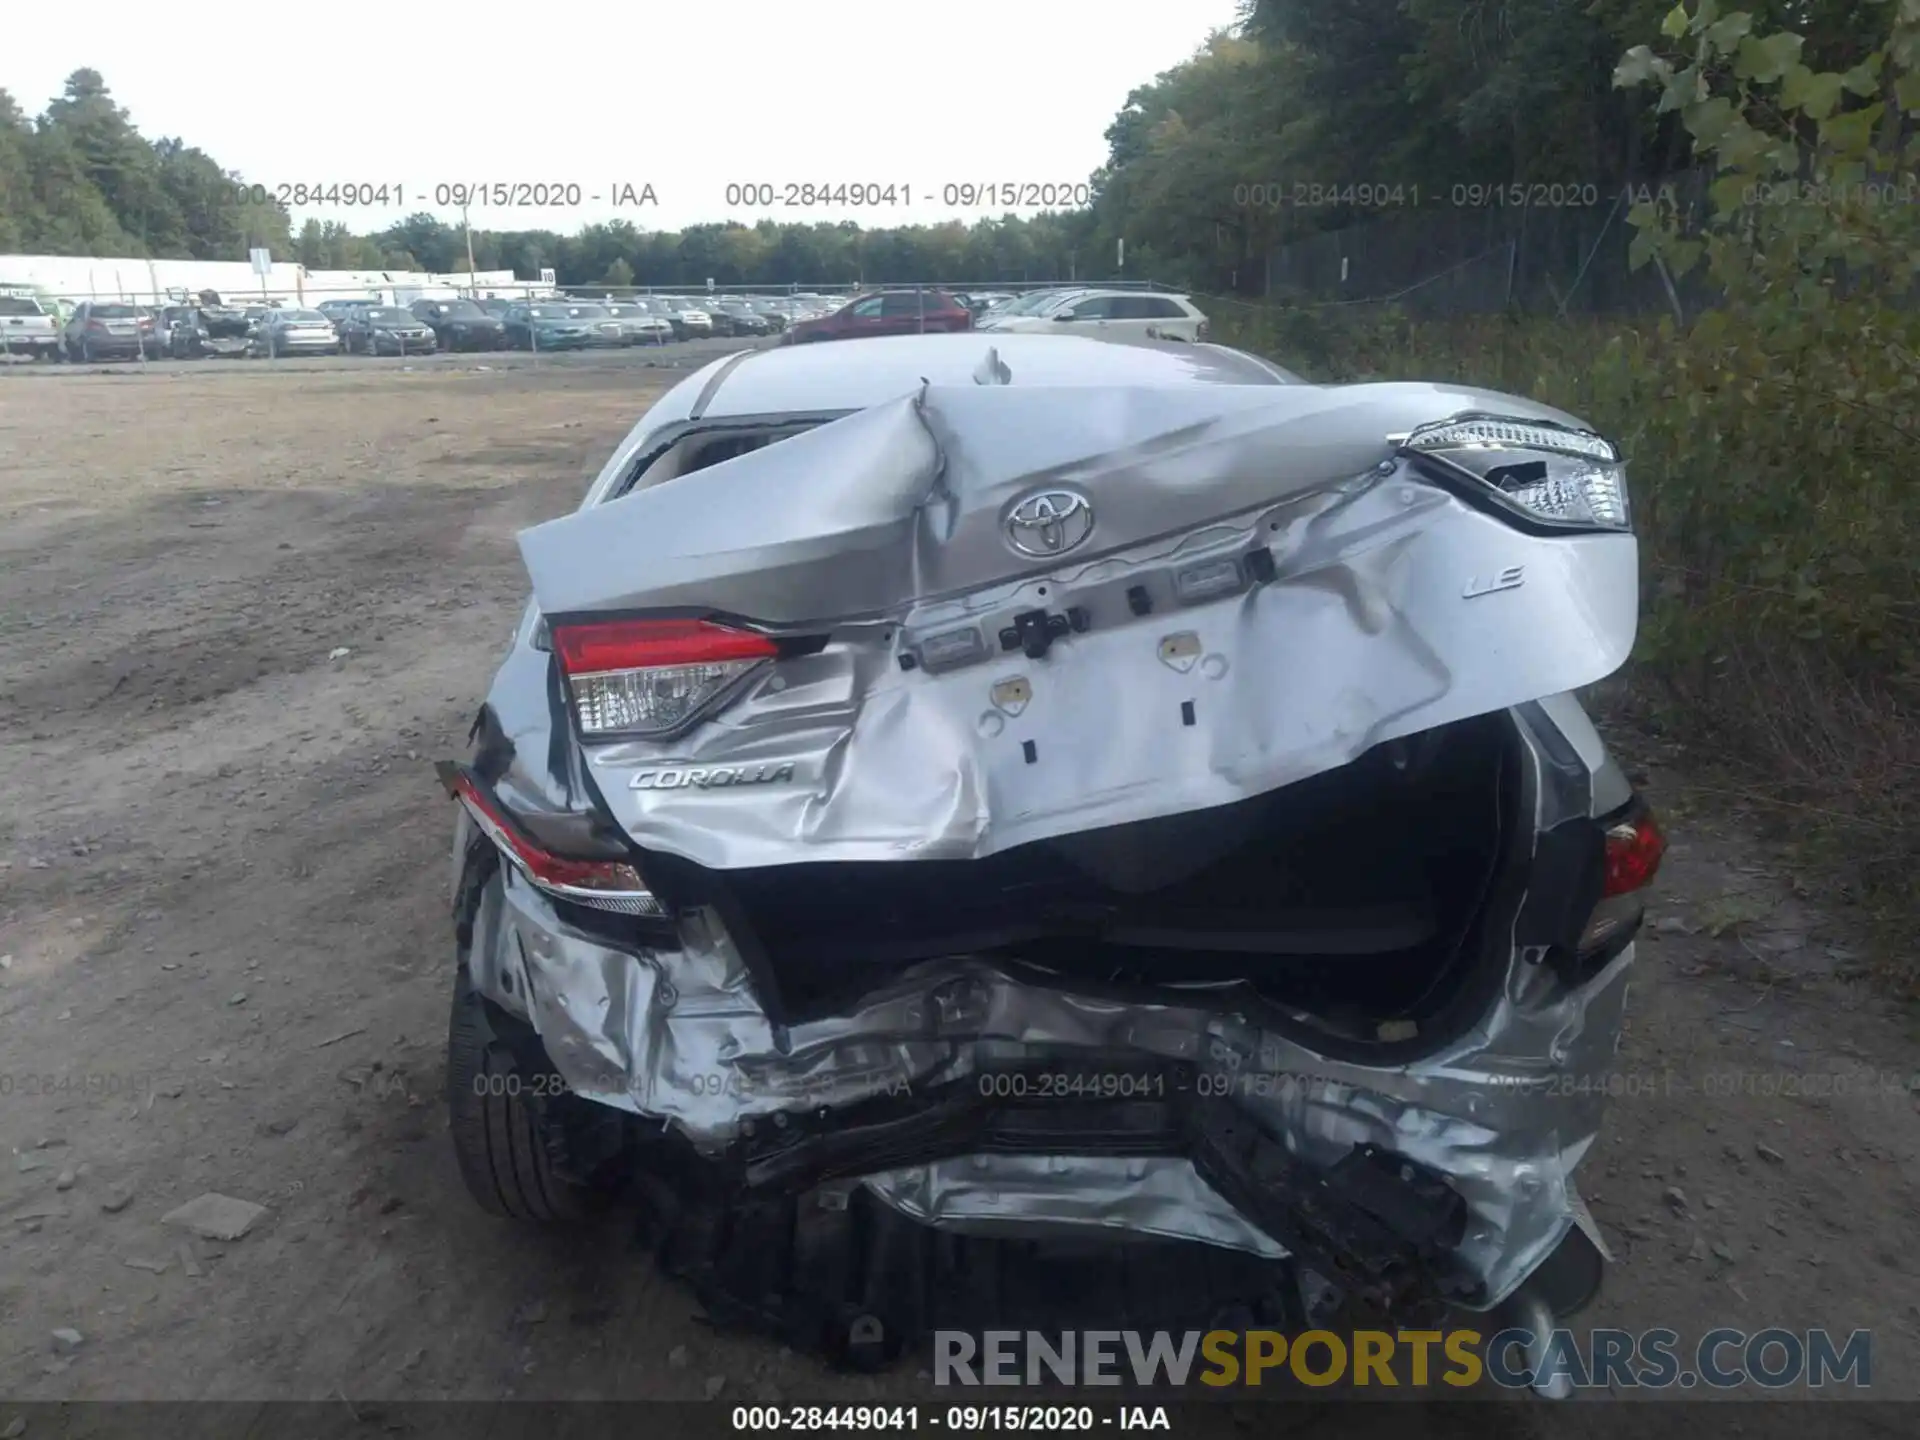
(955, 789)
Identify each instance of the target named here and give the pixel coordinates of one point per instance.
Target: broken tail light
(611, 885)
(1634, 847)
(653, 678)
(1547, 472)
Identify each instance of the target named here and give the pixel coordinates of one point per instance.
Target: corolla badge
(1050, 522)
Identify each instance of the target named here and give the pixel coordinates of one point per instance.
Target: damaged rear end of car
(1147, 813)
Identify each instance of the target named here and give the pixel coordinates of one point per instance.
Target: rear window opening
(703, 449)
(1350, 900)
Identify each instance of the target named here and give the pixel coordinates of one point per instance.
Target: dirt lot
(222, 912)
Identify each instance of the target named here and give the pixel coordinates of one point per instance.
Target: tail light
(1202, 330)
(1634, 848)
(602, 884)
(1546, 471)
(99, 325)
(654, 678)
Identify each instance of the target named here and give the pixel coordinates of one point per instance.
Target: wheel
(505, 1131)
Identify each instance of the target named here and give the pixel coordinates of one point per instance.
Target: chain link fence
(1479, 250)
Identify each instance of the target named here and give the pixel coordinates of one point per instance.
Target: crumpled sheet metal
(905, 501)
(1366, 634)
(1379, 622)
(678, 1037)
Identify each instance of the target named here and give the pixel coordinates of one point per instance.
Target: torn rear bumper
(976, 1100)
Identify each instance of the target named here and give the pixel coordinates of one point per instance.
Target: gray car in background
(106, 330)
(969, 785)
(293, 332)
(638, 324)
(690, 319)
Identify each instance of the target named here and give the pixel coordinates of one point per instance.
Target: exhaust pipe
(1527, 1309)
(1562, 1285)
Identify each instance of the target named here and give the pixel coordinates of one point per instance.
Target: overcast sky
(686, 97)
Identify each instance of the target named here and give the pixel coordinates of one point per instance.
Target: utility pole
(469, 229)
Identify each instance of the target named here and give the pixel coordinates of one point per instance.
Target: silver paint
(885, 527)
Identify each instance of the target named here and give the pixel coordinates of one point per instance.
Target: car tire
(505, 1142)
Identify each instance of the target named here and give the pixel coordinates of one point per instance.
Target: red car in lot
(885, 312)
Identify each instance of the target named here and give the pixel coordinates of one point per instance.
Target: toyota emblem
(1050, 523)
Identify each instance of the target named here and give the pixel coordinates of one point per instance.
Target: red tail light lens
(1634, 849)
(1635, 845)
(653, 677)
(603, 884)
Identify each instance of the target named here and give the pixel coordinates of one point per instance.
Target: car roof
(855, 374)
(1154, 294)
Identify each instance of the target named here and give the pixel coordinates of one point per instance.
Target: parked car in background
(339, 310)
(109, 331)
(1113, 315)
(182, 318)
(1034, 302)
(607, 331)
(461, 324)
(223, 321)
(889, 312)
(690, 320)
(981, 301)
(385, 330)
(27, 329)
(638, 324)
(496, 306)
(745, 319)
(560, 325)
(182, 333)
(293, 332)
(776, 313)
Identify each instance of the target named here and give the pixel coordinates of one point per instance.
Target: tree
(19, 208)
(619, 274)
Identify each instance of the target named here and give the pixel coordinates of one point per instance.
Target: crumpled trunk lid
(1386, 605)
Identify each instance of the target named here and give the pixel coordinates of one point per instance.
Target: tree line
(1305, 116)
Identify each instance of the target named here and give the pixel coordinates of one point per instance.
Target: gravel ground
(226, 952)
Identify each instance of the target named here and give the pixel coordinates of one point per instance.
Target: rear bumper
(978, 1100)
